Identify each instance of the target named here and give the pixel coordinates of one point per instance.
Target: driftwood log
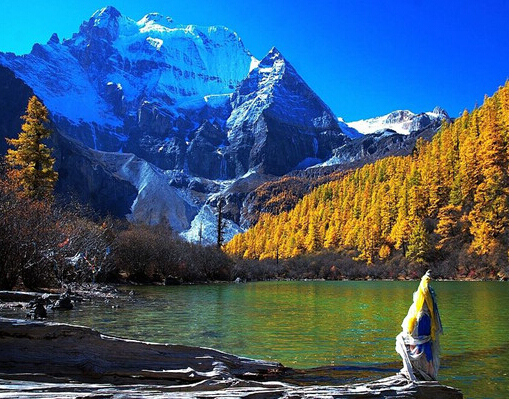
(39, 359)
(22, 296)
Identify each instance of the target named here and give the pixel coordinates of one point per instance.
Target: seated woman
(418, 343)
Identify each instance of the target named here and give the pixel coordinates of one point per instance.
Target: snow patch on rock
(206, 222)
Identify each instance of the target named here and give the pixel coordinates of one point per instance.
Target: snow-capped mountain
(177, 112)
(402, 122)
(283, 122)
(182, 97)
(113, 57)
(389, 135)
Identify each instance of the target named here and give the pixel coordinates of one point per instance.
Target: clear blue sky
(363, 58)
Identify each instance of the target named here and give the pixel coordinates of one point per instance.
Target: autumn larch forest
(445, 206)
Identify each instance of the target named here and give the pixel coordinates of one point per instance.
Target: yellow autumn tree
(30, 165)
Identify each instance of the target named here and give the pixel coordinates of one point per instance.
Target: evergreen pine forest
(447, 203)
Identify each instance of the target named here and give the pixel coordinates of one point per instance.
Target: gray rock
(64, 302)
(37, 309)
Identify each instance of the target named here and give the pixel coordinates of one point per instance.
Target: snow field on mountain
(401, 122)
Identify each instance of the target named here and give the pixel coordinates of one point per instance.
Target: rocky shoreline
(54, 299)
(50, 359)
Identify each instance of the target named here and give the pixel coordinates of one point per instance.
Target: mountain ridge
(399, 121)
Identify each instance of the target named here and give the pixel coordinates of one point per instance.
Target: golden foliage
(459, 180)
(30, 165)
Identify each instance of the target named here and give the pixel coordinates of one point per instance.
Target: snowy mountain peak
(256, 92)
(399, 116)
(156, 19)
(290, 126)
(103, 24)
(440, 111)
(153, 60)
(273, 57)
(274, 53)
(104, 15)
(401, 121)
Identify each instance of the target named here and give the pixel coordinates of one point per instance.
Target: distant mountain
(402, 122)
(388, 135)
(171, 117)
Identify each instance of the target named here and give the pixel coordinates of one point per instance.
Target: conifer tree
(418, 243)
(490, 215)
(448, 223)
(30, 165)
(401, 229)
(312, 241)
(332, 235)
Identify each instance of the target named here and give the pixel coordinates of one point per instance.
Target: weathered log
(48, 359)
(396, 387)
(22, 296)
(86, 355)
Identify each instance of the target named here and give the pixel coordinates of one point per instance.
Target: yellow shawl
(423, 295)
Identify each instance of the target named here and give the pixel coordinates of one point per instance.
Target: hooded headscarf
(424, 295)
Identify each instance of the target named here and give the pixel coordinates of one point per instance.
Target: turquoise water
(346, 329)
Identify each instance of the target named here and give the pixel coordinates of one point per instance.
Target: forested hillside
(446, 204)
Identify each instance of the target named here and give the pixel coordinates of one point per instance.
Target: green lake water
(343, 331)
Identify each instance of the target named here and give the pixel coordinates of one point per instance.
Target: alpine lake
(337, 332)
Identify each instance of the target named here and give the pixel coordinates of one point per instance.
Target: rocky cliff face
(14, 95)
(278, 123)
(112, 183)
(82, 178)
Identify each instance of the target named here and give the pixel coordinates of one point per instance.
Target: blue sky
(363, 58)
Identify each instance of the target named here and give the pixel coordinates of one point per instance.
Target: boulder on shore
(64, 302)
(37, 309)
